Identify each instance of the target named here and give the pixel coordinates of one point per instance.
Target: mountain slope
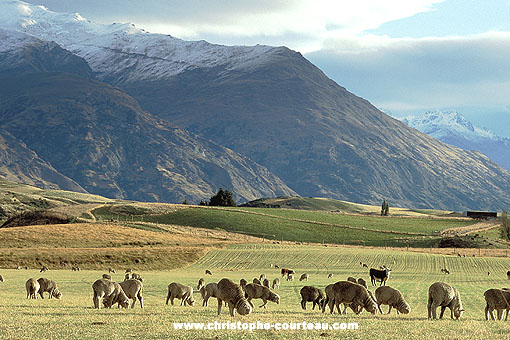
(453, 128)
(100, 137)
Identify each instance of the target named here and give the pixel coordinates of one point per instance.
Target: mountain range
(152, 117)
(453, 128)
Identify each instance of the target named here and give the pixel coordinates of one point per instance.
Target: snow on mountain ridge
(441, 124)
(112, 49)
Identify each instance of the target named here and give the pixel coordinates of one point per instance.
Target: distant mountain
(274, 106)
(453, 128)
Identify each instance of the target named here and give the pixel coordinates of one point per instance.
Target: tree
(385, 208)
(223, 198)
(505, 227)
(185, 202)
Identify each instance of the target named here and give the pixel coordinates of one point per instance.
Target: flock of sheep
(238, 297)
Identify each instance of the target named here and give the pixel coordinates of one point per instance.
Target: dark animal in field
(111, 292)
(75, 268)
(276, 266)
(243, 283)
(50, 287)
(201, 283)
(234, 295)
(257, 281)
(276, 283)
(488, 273)
(362, 282)
(133, 290)
(208, 272)
(444, 270)
(330, 275)
(32, 287)
(43, 269)
(290, 277)
(304, 277)
(256, 291)
(180, 291)
(111, 270)
(350, 294)
(312, 294)
(107, 276)
(508, 274)
(1, 278)
(265, 283)
(379, 275)
(444, 295)
(286, 271)
(393, 298)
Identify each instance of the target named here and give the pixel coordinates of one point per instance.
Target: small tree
(505, 227)
(223, 198)
(185, 202)
(385, 208)
(203, 202)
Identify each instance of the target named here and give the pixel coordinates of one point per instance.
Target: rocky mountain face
(267, 103)
(453, 128)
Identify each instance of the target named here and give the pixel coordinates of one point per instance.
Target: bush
(223, 198)
(505, 227)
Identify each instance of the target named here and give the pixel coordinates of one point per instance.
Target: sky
(404, 56)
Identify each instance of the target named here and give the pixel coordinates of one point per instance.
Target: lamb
(312, 294)
(362, 282)
(498, 299)
(233, 294)
(256, 291)
(290, 277)
(257, 281)
(304, 277)
(266, 283)
(208, 272)
(180, 291)
(393, 298)
(349, 293)
(276, 283)
(111, 270)
(201, 283)
(50, 287)
(133, 290)
(111, 292)
(32, 287)
(444, 295)
(330, 275)
(286, 271)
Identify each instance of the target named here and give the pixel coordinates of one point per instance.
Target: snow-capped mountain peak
(441, 124)
(124, 53)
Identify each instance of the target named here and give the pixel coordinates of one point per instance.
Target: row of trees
(223, 198)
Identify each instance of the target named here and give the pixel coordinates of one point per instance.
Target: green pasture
(412, 273)
(305, 226)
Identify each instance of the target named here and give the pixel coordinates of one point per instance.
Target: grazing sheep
(304, 277)
(290, 277)
(243, 283)
(277, 266)
(276, 283)
(208, 272)
(136, 276)
(111, 270)
(351, 279)
(257, 281)
(312, 294)
(444, 295)
(133, 290)
(351, 294)
(508, 274)
(50, 287)
(32, 287)
(330, 275)
(201, 283)
(43, 269)
(362, 282)
(111, 292)
(107, 276)
(233, 294)
(266, 283)
(127, 276)
(1, 278)
(75, 268)
(498, 299)
(27, 268)
(19, 268)
(393, 298)
(208, 291)
(365, 265)
(262, 277)
(256, 291)
(180, 291)
(381, 275)
(488, 273)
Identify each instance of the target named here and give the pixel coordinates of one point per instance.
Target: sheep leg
(168, 298)
(442, 312)
(264, 304)
(219, 305)
(491, 313)
(337, 304)
(51, 293)
(140, 298)
(499, 314)
(506, 317)
(249, 301)
(231, 309)
(96, 301)
(206, 300)
(389, 311)
(433, 309)
(41, 293)
(379, 307)
(303, 304)
(487, 311)
(429, 308)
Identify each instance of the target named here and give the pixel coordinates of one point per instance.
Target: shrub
(223, 198)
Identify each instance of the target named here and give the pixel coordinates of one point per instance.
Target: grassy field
(304, 226)
(74, 318)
